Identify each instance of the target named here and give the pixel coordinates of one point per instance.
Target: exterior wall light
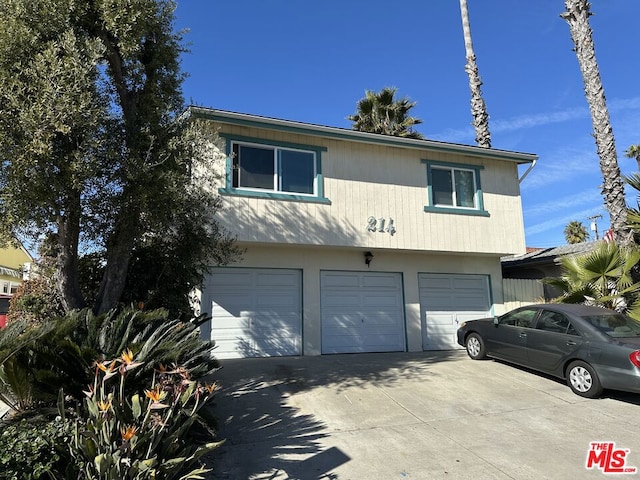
(368, 256)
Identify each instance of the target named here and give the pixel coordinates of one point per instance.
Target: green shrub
(118, 431)
(37, 360)
(142, 437)
(31, 447)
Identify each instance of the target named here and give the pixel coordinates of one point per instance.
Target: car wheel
(475, 346)
(583, 380)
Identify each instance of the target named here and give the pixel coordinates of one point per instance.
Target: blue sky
(312, 61)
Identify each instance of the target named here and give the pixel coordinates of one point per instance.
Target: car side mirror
(496, 322)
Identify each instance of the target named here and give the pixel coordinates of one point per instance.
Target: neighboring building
(14, 263)
(356, 242)
(539, 263)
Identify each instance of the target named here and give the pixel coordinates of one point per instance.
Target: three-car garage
(259, 312)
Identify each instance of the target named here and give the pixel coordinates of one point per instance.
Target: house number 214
(380, 225)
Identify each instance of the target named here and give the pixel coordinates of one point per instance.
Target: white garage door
(446, 301)
(255, 312)
(362, 312)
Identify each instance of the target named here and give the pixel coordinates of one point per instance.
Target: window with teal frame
(454, 188)
(269, 169)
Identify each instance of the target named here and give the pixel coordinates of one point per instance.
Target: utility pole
(594, 224)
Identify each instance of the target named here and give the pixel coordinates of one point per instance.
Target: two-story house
(356, 242)
(14, 264)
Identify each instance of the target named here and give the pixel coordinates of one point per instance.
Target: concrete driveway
(430, 415)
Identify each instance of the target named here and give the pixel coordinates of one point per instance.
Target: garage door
(448, 300)
(362, 312)
(255, 312)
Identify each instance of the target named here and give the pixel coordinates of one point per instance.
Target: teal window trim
(478, 197)
(457, 211)
(238, 192)
(229, 189)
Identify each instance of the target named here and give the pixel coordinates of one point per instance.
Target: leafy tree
(575, 232)
(478, 107)
(577, 16)
(380, 112)
(95, 154)
(602, 277)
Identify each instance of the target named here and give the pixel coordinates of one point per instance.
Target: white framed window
(454, 188)
(263, 168)
(274, 169)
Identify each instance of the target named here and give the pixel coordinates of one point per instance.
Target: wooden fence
(518, 292)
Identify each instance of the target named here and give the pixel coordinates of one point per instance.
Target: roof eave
(354, 135)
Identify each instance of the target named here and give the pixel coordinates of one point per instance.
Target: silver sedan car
(592, 348)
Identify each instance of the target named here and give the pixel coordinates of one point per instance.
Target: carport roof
(547, 255)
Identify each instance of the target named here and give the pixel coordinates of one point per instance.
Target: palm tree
(633, 152)
(575, 232)
(577, 16)
(633, 214)
(382, 113)
(478, 107)
(602, 277)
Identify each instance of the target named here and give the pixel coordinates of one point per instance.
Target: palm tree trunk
(478, 107)
(577, 16)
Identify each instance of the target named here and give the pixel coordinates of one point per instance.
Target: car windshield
(616, 326)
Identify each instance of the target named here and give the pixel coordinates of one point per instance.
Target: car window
(555, 322)
(615, 325)
(519, 318)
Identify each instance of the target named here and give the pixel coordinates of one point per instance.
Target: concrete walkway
(431, 415)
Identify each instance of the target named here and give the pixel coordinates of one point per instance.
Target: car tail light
(635, 358)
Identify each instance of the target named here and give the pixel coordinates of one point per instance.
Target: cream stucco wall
(13, 257)
(311, 261)
(362, 180)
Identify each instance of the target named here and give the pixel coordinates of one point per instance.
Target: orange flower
(210, 388)
(104, 406)
(156, 395)
(107, 368)
(128, 433)
(127, 357)
(127, 361)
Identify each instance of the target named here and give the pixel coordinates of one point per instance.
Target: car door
(508, 338)
(551, 341)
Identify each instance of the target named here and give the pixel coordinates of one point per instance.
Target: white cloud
(619, 104)
(535, 120)
(564, 165)
(587, 197)
(563, 220)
